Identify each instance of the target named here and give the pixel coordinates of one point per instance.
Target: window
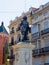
(35, 18)
(12, 52)
(34, 28)
(45, 14)
(46, 24)
(18, 38)
(46, 42)
(37, 61)
(13, 29)
(12, 40)
(47, 60)
(37, 44)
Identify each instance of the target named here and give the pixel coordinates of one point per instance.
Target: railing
(46, 49)
(35, 52)
(45, 31)
(40, 51)
(36, 35)
(46, 64)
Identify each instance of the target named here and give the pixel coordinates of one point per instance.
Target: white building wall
(37, 61)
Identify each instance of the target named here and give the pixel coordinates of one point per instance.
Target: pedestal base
(23, 54)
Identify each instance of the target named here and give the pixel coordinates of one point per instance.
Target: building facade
(40, 35)
(14, 34)
(3, 39)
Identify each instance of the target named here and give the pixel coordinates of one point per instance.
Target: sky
(9, 9)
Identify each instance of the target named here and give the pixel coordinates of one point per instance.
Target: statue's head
(24, 18)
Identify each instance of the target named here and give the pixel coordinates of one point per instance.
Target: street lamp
(8, 61)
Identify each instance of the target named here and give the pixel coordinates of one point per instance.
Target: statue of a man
(24, 27)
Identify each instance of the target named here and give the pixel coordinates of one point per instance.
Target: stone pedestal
(23, 53)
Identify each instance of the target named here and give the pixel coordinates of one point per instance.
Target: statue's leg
(22, 37)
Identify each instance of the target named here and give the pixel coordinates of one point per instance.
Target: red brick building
(3, 38)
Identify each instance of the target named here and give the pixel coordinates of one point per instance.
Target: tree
(6, 52)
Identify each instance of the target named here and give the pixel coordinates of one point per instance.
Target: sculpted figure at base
(24, 28)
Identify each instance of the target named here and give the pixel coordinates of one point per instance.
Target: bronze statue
(24, 27)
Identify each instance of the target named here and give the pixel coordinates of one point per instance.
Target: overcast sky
(9, 9)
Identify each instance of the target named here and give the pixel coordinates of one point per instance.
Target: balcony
(35, 52)
(46, 64)
(45, 31)
(46, 49)
(11, 44)
(36, 35)
(11, 32)
(41, 51)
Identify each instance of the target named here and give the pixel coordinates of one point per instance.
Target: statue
(24, 28)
